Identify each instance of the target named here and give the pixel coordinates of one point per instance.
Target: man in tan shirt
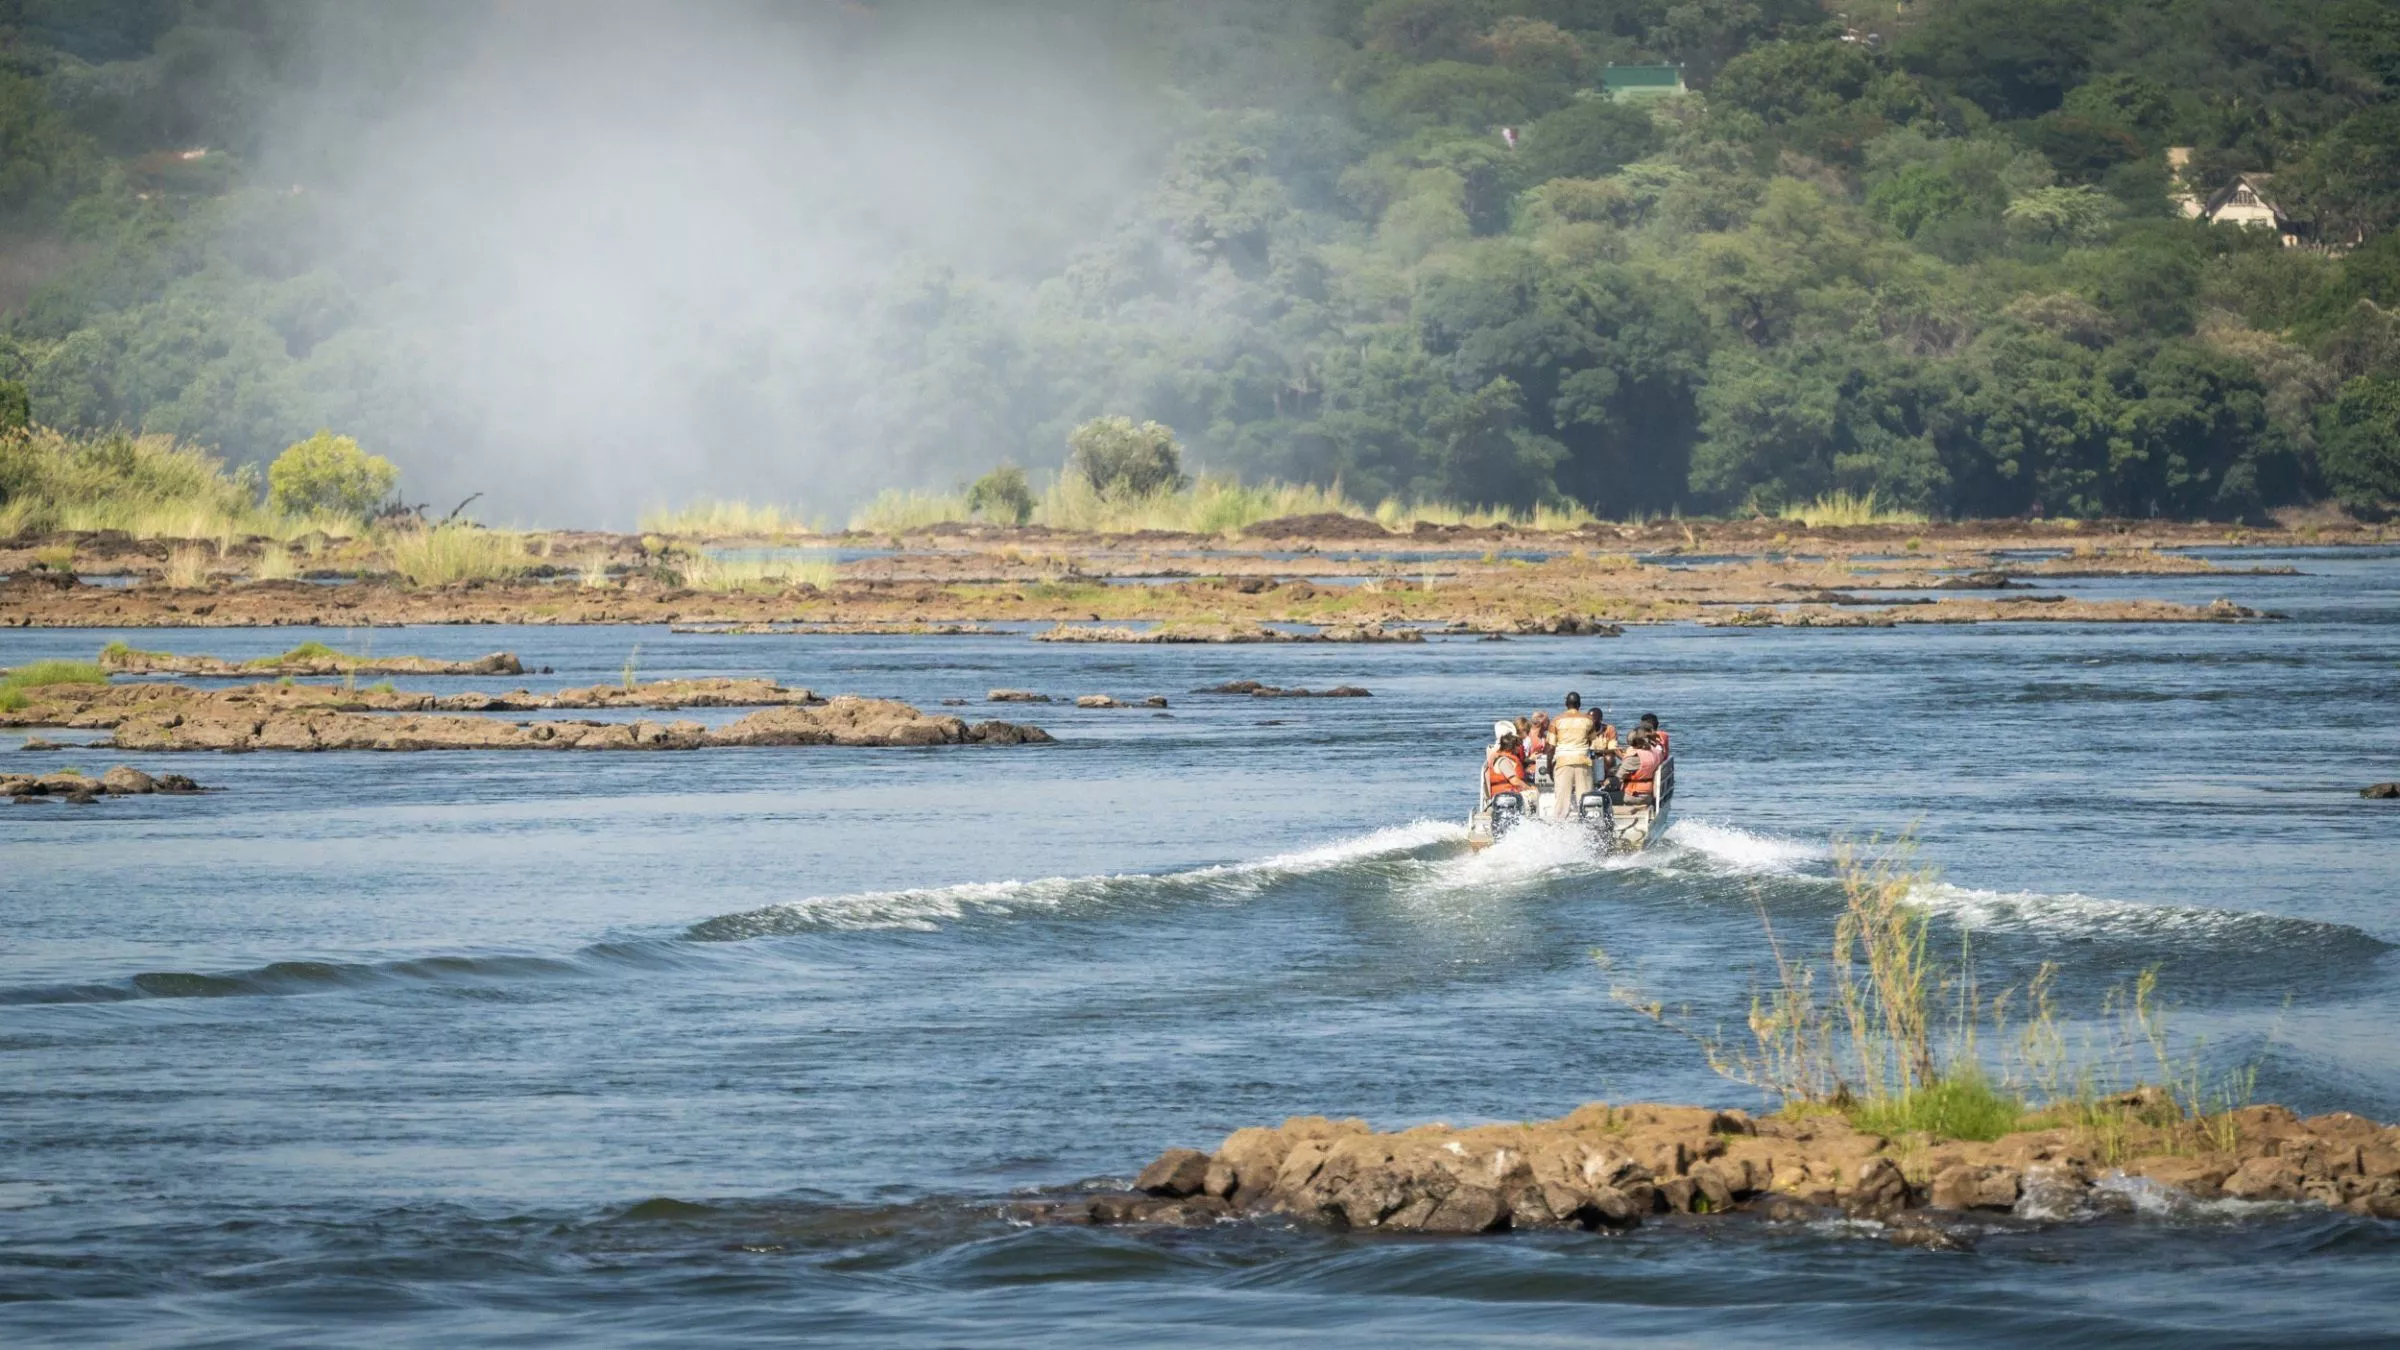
(1576, 737)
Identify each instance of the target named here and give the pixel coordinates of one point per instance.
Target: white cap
(1503, 727)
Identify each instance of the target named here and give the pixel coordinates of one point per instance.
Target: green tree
(2350, 181)
(1119, 457)
(2061, 215)
(2360, 440)
(16, 407)
(1003, 495)
(44, 161)
(1917, 196)
(1591, 138)
(2082, 148)
(1424, 30)
(329, 473)
(2015, 58)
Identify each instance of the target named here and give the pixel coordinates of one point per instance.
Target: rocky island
(1604, 1166)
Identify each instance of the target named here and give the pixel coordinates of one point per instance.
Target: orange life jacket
(1644, 770)
(1506, 773)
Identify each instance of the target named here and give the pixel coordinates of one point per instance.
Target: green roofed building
(1641, 81)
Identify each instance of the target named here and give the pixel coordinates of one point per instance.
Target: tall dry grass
(1848, 508)
(443, 555)
(1901, 1041)
(898, 510)
(1396, 514)
(724, 518)
(1210, 504)
(274, 564)
(188, 566)
(704, 572)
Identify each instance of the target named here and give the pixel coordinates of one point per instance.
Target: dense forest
(1436, 249)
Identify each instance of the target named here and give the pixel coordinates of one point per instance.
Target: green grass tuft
(311, 650)
(1964, 1105)
(53, 672)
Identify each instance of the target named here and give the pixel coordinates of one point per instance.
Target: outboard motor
(1507, 811)
(1597, 817)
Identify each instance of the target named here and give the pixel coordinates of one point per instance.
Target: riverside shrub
(329, 473)
(1122, 458)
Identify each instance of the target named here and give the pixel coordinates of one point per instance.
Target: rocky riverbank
(1614, 1167)
(163, 716)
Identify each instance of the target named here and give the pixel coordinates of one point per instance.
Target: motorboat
(1616, 825)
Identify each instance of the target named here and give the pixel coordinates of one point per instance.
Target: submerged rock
(1254, 689)
(2381, 791)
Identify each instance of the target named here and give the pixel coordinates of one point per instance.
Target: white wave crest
(927, 908)
(2074, 913)
(1733, 849)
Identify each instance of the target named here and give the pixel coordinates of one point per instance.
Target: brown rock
(2343, 1125)
(1178, 1172)
(1097, 701)
(1298, 1170)
(2201, 1176)
(1963, 1187)
(2381, 791)
(1248, 1160)
(1878, 1189)
(1468, 1209)
(2264, 1179)
(126, 780)
(1015, 696)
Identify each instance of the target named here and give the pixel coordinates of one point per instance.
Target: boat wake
(1422, 862)
(928, 908)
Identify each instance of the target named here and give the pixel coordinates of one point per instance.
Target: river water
(724, 1047)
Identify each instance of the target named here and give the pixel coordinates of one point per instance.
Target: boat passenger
(1537, 750)
(1649, 723)
(1506, 771)
(1573, 746)
(1501, 730)
(1642, 758)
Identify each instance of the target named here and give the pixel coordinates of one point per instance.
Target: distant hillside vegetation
(1415, 247)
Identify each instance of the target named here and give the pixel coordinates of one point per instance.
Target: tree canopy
(1413, 247)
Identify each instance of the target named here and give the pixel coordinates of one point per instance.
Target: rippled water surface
(745, 1045)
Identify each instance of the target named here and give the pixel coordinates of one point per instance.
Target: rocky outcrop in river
(70, 786)
(1612, 1167)
(318, 717)
(124, 660)
(1220, 633)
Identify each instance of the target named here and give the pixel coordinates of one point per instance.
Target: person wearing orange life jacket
(1505, 771)
(1536, 751)
(1642, 758)
(1649, 723)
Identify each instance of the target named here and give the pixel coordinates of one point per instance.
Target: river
(733, 1046)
